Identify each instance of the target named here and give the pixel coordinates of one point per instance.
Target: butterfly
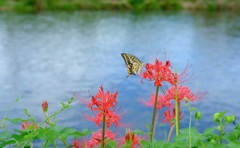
(134, 65)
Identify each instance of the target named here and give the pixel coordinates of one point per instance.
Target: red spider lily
(76, 144)
(97, 138)
(103, 101)
(26, 125)
(162, 101)
(44, 106)
(169, 117)
(182, 92)
(111, 117)
(101, 104)
(132, 138)
(158, 72)
(79, 144)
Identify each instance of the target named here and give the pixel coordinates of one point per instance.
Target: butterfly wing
(133, 63)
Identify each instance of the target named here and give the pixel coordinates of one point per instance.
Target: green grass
(72, 5)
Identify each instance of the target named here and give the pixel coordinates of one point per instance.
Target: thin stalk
(103, 130)
(154, 114)
(49, 120)
(177, 112)
(158, 114)
(5, 115)
(189, 128)
(170, 133)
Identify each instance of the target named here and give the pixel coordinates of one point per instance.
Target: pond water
(48, 56)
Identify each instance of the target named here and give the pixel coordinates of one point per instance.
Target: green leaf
(159, 144)
(4, 135)
(139, 132)
(17, 137)
(70, 100)
(8, 142)
(208, 131)
(209, 145)
(111, 144)
(68, 130)
(178, 144)
(83, 133)
(145, 143)
(57, 128)
(27, 113)
(232, 144)
(16, 120)
(48, 134)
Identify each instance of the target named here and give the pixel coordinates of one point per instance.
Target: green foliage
(136, 2)
(71, 5)
(48, 133)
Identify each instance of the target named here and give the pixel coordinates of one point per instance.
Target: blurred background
(52, 48)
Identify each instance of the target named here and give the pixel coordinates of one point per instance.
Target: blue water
(49, 56)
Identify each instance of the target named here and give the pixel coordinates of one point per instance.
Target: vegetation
(71, 5)
(104, 110)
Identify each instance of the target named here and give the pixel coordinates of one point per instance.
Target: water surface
(48, 56)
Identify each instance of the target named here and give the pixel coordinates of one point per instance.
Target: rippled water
(48, 56)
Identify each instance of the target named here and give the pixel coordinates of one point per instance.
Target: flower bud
(25, 125)
(129, 136)
(198, 115)
(219, 128)
(76, 144)
(230, 119)
(213, 141)
(44, 106)
(216, 117)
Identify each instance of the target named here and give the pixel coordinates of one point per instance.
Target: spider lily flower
(132, 138)
(170, 116)
(182, 92)
(111, 118)
(79, 144)
(162, 101)
(101, 104)
(158, 72)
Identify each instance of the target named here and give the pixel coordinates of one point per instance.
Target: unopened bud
(230, 119)
(44, 106)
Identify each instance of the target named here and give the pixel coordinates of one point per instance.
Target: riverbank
(54, 5)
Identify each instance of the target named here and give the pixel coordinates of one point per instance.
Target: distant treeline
(71, 5)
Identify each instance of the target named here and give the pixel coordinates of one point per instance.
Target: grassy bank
(72, 5)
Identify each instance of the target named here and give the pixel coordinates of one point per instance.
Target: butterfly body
(134, 65)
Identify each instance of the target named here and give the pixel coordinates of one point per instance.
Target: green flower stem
(103, 130)
(189, 127)
(177, 104)
(49, 120)
(65, 143)
(154, 114)
(158, 114)
(5, 115)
